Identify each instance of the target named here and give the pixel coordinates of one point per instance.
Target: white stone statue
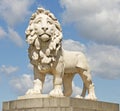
(44, 36)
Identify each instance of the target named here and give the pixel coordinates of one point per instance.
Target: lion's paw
(37, 88)
(91, 97)
(78, 96)
(57, 92)
(33, 91)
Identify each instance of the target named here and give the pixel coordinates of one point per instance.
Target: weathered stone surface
(46, 54)
(58, 104)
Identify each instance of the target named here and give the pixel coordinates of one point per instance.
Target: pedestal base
(58, 104)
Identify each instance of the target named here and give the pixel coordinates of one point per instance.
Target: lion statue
(44, 36)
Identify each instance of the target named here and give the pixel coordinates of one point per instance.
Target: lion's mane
(39, 57)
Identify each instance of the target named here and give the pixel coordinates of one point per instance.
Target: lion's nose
(45, 28)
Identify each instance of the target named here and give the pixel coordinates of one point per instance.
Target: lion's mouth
(44, 37)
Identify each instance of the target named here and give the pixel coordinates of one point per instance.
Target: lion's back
(74, 59)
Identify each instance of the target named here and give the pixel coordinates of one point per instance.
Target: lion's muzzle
(44, 37)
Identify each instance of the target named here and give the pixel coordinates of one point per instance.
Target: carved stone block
(58, 104)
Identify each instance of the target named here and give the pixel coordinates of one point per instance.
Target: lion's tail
(83, 91)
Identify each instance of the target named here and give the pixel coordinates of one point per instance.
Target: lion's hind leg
(88, 85)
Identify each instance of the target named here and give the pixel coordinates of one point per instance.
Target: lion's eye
(49, 22)
(38, 21)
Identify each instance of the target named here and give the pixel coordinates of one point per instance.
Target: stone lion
(44, 36)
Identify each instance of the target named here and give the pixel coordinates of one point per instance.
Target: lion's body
(74, 60)
(47, 56)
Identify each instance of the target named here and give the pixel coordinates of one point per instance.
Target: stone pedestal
(58, 104)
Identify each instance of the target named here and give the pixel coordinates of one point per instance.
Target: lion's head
(44, 35)
(42, 25)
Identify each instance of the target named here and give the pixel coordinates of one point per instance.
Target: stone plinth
(58, 104)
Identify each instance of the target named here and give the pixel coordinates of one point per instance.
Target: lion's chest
(43, 59)
(44, 68)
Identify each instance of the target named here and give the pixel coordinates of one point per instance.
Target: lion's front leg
(36, 88)
(37, 83)
(57, 82)
(57, 90)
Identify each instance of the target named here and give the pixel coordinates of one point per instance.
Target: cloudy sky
(90, 26)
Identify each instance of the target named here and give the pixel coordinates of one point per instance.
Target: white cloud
(22, 84)
(70, 44)
(14, 11)
(15, 37)
(8, 69)
(97, 20)
(104, 60)
(2, 33)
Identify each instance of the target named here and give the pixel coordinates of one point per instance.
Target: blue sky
(89, 26)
